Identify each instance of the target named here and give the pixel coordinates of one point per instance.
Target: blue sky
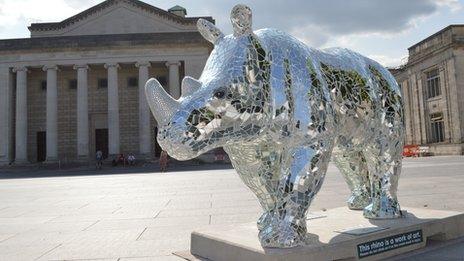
(380, 29)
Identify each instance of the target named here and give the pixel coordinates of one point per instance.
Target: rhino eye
(220, 94)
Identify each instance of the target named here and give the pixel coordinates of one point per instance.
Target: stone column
(174, 81)
(423, 114)
(82, 111)
(416, 109)
(144, 111)
(21, 115)
(454, 84)
(52, 113)
(5, 117)
(407, 113)
(113, 108)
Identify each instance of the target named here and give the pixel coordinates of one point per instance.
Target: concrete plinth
(337, 234)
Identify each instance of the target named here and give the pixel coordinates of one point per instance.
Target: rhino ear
(209, 31)
(241, 18)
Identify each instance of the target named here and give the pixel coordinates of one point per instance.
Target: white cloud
(454, 5)
(318, 23)
(311, 35)
(320, 19)
(32, 10)
(21, 13)
(387, 60)
(80, 4)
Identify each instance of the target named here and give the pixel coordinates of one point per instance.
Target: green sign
(389, 243)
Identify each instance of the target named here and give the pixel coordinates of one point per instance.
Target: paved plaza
(146, 215)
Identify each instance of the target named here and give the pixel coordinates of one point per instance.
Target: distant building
(77, 86)
(432, 82)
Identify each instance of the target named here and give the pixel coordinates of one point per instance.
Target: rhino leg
(353, 167)
(303, 174)
(384, 163)
(258, 166)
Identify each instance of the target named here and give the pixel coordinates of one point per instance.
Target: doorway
(101, 141)
(41, 146)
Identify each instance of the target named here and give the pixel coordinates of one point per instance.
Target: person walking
(131, 159)
(99, 158)
(163, 161)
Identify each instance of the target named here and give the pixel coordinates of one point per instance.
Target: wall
(98, 107)
(36, 108)
(6, 115)
(67, 115)
(128, 111)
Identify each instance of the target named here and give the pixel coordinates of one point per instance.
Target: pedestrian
(163, 161)
(131, 159)
(99, 158)
(219, 156)
(121, 159)
(114, 162)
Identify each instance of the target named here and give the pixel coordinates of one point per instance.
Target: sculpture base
(338, 234)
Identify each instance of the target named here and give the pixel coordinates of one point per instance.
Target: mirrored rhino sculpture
(281, 111)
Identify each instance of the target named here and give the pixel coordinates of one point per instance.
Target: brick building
(432, 82)
(78, 85)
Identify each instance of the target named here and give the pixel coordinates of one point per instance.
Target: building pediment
(117, 17)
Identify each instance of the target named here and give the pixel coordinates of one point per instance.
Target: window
(103, 83)
(162, 80)
(73, 84)
(433, 83)
(437, 128)
(43, 85)
(132, 82)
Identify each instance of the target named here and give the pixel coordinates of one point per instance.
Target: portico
(115, 103)
(69, 89)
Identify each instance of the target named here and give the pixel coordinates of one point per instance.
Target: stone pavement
(145, 215)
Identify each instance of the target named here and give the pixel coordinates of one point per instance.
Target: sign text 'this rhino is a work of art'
(280, 110)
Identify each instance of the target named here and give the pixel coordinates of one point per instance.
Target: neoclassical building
(432, 83)
(77, 86)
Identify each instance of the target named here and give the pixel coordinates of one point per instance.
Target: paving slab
(76, 214)
(28, 252)
(452, 250)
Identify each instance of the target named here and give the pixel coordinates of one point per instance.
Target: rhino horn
(161, 104)
(209, 31)
(190, 86)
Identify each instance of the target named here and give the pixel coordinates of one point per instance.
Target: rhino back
(296, 91)
(343, 83)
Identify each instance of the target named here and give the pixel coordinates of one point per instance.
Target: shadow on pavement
(36, 171)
